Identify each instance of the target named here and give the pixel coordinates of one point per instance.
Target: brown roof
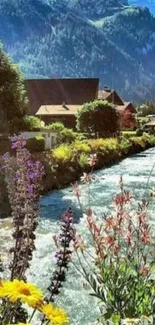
(57, 91)
(121, 108)
(110, 95)
(103, 94)
(58, 110)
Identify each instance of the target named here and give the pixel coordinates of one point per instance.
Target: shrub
(63, 153)
(149, 138)
(125, 144)
(127, 120)
(128, 134)
(81, 147)
(55, 127)
(140, 141)
(104, 145)
(80, 136)
(36, 144)
(139, 132)
(67, 135)
(31, 123)
(83, 160)
(99, 118)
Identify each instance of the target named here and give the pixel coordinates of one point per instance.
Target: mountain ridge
(60, 38)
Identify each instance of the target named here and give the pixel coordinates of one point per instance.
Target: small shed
(149, 127)
(49, 136)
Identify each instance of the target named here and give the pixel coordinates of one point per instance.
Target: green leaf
(115, 318)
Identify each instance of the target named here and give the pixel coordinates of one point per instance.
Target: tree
(146, 109)
(99, 118)
(13, 100)
(127, 120)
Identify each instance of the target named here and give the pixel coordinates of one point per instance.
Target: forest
(77, 38)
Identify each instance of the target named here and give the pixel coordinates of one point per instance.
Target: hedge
(36, 144)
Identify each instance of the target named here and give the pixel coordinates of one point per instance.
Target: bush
(32, 123)
(55, 127)
(36, 144)
(128, 134)
(67, 135)
(139, 132)
(138, 141)
(63, 153)
(81, 147)
(125, 144)
(83, 160)
(105, 145)
(99, 118)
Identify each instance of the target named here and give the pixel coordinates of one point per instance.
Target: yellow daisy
(26, 292)
(56, 315)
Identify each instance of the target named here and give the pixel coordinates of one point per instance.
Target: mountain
(108, 39)
(144, 3)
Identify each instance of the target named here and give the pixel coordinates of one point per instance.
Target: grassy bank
(67, 162)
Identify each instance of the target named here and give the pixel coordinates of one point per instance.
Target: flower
(56, 315)
(92, 160)
(86, 178)
(26, 292)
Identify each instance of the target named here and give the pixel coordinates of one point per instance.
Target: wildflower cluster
(63, 243)
(23, 177)
(123, 258)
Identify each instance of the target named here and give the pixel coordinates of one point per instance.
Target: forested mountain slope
(83, 38)
(144, 3)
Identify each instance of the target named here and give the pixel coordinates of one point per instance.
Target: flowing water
(82, 307)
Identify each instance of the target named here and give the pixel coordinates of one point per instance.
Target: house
(54, 100)
(150, 127)
(49, 136)
(58, 99)
(110, 95)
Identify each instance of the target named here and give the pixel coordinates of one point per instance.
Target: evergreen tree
(13, 100)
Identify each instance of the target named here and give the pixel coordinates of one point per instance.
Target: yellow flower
(56, 315)
(26, 292)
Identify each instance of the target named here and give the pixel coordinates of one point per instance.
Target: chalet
(58, 99)
(55, 100)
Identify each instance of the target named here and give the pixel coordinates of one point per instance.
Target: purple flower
(31, 175)
(23, 179)
(6, 156)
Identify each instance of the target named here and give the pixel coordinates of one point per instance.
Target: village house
(54, 100)
(49, 136)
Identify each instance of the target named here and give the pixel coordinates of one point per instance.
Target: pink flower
(86, 178)
(92, 160)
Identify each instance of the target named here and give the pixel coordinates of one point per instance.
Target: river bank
(66, 164)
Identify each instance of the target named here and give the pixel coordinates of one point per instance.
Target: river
(82, 307)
